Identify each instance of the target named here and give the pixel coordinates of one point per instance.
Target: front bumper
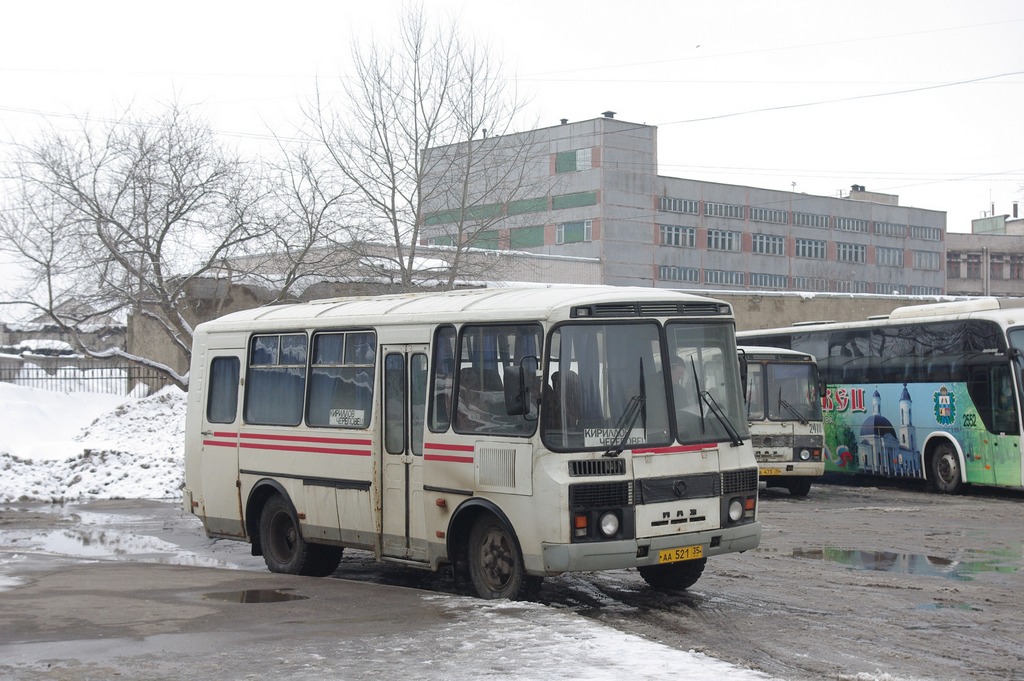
(615, 555)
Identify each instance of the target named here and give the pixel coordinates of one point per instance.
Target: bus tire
(674, 576)
(495, 562)
(799, 487)
(284, 548)
(946, 469)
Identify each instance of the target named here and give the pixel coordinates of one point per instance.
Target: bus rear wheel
(284, 548)
(673, 576)
(495, 563)
(946, 469)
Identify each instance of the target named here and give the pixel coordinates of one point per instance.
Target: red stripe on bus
(675, 450)
(312, 450)
(302, 438)
(218, 443)
(448, 448)
(216, 434)
(448, 457)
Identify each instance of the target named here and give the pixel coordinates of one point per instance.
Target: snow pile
(59, 447)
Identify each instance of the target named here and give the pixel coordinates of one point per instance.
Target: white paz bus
(509, 433)
(784, 414)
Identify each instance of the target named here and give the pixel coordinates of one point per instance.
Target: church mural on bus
(872, 429)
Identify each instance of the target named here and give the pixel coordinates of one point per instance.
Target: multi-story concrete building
(990, 260)
(598, 194)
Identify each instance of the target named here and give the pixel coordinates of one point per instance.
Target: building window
(925, 233)
(851, 252)
(761, 280)
(1017, 267)
(573, 232)
(996, 267)
(891, 289)
(925, 291)
(779, 217)
(670, 205)
(721, 240)
(810, 284)
(926, 260)
(671, 273)
(889, 257)
(571, 161)
(810, 220)
(672, 235)
(890, 229)
(852, 225)
(952, 265)
(724, 277)
(973, 266)
(725, 210)
(768, 244)
(810, 248)
(574, 200)
(526, 237)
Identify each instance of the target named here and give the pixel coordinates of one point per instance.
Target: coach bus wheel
(946, 469)
(674, 576)
(495, 563)
(284, 549)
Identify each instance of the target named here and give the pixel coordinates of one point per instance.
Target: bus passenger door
(219, 502)
(405, 394)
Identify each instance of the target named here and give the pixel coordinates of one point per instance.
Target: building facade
(990, 260)
(603, 198)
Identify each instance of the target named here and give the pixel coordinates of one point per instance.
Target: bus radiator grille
(599, 495)
(739, 481)
(597, 467)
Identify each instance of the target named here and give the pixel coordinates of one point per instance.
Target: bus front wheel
(946, 469)
(673, 576)
(284, 548)
(495, 562)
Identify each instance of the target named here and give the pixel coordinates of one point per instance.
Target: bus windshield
(791, 393)
(704, 372)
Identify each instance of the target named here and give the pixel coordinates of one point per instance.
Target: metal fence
(88, 376)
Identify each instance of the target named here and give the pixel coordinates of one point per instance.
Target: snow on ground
(59, 447)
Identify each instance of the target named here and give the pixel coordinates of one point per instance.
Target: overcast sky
(919, 98)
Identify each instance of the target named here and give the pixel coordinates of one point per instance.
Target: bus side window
(443, 379)
(222, 396)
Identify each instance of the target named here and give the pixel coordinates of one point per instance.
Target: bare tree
(417, 136)
(123, 217)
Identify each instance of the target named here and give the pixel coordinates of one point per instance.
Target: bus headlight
(609, 524)
(805, 455)
(735, 510)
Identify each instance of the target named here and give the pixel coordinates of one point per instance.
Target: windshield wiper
(793, 410)
(719, 413)
(624, 428)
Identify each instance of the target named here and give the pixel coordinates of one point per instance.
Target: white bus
(928, 392)
(784, 415)
(509, 433)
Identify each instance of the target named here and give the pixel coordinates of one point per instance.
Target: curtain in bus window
(222, 397)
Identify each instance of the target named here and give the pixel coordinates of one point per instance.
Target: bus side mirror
(518, 392)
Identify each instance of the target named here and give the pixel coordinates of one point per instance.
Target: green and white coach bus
(927, 392)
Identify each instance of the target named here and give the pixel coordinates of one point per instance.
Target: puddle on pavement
(254, 596)
(905, 563)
